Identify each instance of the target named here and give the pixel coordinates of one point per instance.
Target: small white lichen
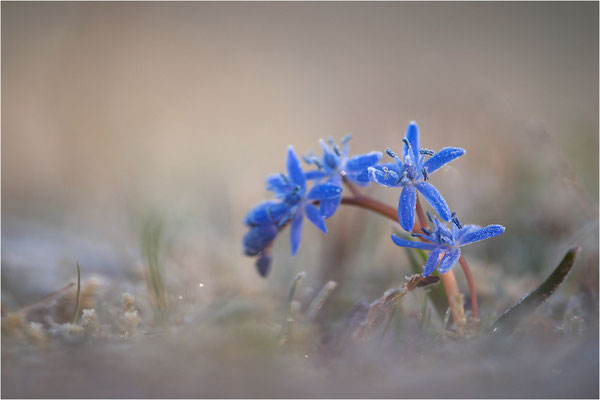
(127, 300)
(36, 333)
(130, 322)
(89, 321)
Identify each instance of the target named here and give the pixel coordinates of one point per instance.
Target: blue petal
(435, 199)
(389, 178)
(330, 159)
(361, 179)
(413, 244)
(406, 208)
(324, 191)
(359, 163)
(443, 157)
(412, 134)
(476, 235)
(267, 212)
(263, 264)
(316, 174)
(466, 229)
(329, 206)
(432, 261)
(278, 184)
(296, 232)
(258, 238)
(314, 215)
(295, 170)
(450, 258)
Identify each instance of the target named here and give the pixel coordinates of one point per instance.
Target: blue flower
(412, 175)
(335, 164)
(294, 201)
(446, 243)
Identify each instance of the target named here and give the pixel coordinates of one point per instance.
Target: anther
(285, 178)
(456, 222)
(429, 217)
(427, 152)
(345, 139)
(406, 142)
(425, 231)
(386, 172)
(390, 153)
(425, 174)
(336, 149)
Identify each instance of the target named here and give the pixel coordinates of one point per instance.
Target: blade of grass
(507, 323)
(319, 300)
(286, 326)
(76, 315)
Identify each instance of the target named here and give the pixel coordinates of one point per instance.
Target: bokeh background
(116, 113)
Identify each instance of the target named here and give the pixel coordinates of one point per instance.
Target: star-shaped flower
(445, 243)
(266, 218)
(335, 164)
(412, 173)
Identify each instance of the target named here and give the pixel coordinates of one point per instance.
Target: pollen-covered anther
(425, 231)
(425, 174)
(390, 153)
(406, 142)
(427, 152)
(404, 177)
(386, 172)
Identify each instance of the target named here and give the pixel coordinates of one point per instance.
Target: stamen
(390, 153)
(456, 222)
(345, 139)
(404, 177)
(316, 161)
(406, 142)
(425, 174)
(330, 141)
(336, 149)
(429, 216)
(386, 172)
(425, 231)
(307, 159)
(427, 152)
(285, 178)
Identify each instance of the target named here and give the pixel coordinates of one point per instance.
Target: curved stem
(448, 279)
(467, 271)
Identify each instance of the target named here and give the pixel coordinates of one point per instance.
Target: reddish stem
(467, 271)
(368, 203)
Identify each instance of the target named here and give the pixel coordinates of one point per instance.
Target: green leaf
(507, 323)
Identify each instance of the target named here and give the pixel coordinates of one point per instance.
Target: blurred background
(116, 114)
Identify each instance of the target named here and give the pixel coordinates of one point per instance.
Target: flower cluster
(293, 201)
(411, 173)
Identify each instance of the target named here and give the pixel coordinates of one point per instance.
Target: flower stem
(467, 271)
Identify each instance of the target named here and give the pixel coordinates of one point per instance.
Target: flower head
(293, 201)
(412, 174)
(445, 243)
(335, 165)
